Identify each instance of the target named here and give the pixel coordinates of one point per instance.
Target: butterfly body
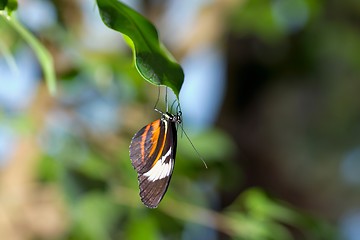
(152, 154)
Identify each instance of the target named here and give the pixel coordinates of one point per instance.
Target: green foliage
(152, 60)
(273, 21)
(9, 5)
(205, 141)
(49, 170)
(256, 216)
(43, 55)
(142, 227)
(3, 4)
(94, 216)
(256, 17)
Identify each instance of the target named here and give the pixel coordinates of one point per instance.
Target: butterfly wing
(152, 154)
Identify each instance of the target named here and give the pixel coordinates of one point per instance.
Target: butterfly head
(177, 118)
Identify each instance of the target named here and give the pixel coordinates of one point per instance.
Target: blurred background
(270, 100)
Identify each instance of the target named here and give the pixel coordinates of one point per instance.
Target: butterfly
(152, 154)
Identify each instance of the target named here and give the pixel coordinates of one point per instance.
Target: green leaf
(3, 4)
(10, 5)
(152, 60)
(41, 52)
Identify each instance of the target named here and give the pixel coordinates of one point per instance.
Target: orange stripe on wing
(155, 136)
(142, 143)
(162, 146)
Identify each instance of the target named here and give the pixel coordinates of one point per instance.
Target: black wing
(152, 153)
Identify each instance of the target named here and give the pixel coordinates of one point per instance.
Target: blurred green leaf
(249, 228)
(95, 168)
(22, 124)
(263, 207)
(212, 145)
(256, 17)
(49, 169)
(258, 217)
(10, 5)
(152, 60)
(7, 55)
(95, 215)
(142, 227)
(41, 52)
(3, 4)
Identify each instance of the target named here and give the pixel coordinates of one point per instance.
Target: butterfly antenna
(159, 111)
(197, 152)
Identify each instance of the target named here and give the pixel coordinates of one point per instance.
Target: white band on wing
(161, 169)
